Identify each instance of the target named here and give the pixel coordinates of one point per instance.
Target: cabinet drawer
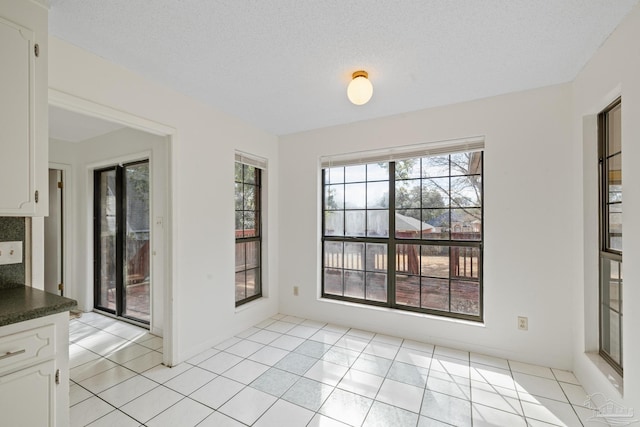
(26, 348)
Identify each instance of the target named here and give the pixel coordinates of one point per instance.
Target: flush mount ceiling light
(360, 88)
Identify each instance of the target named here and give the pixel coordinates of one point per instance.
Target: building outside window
(248, 219)
(405, 233)
(610, 168)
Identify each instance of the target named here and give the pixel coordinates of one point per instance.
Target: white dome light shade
(360, 88)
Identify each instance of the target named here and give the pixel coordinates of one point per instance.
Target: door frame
(89, 108)
(67, 213)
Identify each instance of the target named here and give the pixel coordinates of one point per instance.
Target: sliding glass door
(121, 241)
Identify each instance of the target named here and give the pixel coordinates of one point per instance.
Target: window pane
(355, 223)
(354, 284)
(465, 191)
(466, 224)
(253, 282)
(612, 335)
(355, 173)
(240, 257)
(378, 172)
(435, 193)
(408, 259)
(238, 172)
(615, 227)
(466, 163)
(408, 194)
(250, 224)
(439, 220)
(465, 297)
(240, 285)
(334, 197)
(354, 256)
(615, 193)
(239, 198)
(376, 287)
(409, 168)
(378, 195)
(239, 224)
(614, 165)
(249, 174)
(334, 223)
(253, 254)
(378, 223)
(333, 254)
(408, 290)
(249, 197)
(437, 166)
(612, 284)
(615, 126)
(435, 261)
(435, 294)
(465, 262)
(408, 224)
(615, 293)
(355, 196)
(334, 175)
(376, 257)
(333, 281)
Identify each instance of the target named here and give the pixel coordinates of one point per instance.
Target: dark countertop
(20, 303)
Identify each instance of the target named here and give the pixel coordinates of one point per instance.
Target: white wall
(123, 145)
(613, 71)
(528, 217)
(202, 195)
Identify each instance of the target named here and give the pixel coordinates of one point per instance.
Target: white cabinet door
(16, 118)
(23, 109)
(27, 397)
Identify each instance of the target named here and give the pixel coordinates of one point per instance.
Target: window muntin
(610, 282)
(434, 207)
(248, 265)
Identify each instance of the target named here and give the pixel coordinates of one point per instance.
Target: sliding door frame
(120, 241)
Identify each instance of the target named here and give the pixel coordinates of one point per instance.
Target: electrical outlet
(523, 323)
(295, 291)
(10, 252)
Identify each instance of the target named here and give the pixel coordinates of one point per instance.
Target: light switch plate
(10, 253)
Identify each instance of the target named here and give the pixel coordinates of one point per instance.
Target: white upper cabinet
(23, 109)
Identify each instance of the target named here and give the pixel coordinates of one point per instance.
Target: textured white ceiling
(283, 65)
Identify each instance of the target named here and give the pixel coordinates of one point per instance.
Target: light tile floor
(289, 372)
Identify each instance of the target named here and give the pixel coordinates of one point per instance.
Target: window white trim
(404, 152)
(251, 160)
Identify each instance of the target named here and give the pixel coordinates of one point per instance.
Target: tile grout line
(342, 333)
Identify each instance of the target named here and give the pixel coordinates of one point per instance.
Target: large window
(406, 234)
(610, 163)
(248, 283)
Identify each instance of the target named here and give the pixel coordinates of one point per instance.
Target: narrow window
(406, 234)
(610, 167)
(248, 283)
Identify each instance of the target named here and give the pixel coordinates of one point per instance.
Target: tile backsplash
(12, 229)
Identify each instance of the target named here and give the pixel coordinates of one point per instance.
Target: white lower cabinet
(34, 368)
(29, 396)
